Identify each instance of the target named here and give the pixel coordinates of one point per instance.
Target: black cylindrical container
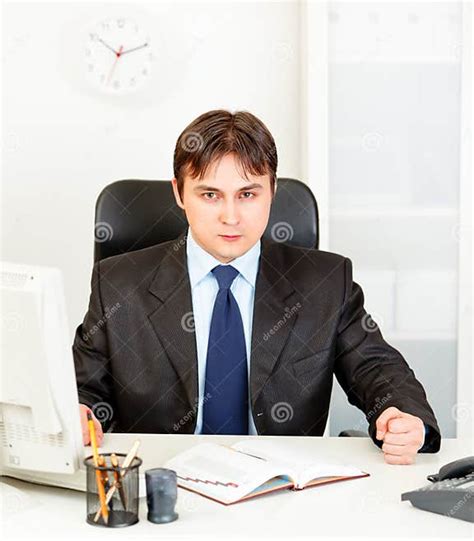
(161, 495)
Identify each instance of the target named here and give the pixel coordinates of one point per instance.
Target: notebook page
(220, 472)
(303, 464)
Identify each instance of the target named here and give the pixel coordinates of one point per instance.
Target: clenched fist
(85, 427)
(403, 435)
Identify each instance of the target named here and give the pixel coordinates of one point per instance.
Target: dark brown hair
(216, 133)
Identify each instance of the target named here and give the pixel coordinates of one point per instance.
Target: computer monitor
(39, 407)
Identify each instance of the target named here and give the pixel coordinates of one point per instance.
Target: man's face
(225, 203)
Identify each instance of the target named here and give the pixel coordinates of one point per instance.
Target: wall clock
(118, 56)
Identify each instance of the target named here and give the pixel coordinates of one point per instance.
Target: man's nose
(230, 214)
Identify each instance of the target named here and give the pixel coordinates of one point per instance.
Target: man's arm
(373, 374)
(91, 357)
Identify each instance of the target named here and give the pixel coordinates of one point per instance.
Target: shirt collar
(200, 263)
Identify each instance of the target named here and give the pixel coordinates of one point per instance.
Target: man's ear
(174, 183)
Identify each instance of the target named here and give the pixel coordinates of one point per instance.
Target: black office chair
(135, 214)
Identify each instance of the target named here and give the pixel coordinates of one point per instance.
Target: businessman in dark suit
(221, 331)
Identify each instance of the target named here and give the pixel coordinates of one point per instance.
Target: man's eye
(208, 193)
(251, 193)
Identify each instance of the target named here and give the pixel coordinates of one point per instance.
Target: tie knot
(225, 275)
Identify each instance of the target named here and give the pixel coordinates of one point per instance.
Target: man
(222, 331)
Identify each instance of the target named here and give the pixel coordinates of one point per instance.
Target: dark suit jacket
(135, 351)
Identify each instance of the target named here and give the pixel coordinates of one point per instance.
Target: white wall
(64, 141)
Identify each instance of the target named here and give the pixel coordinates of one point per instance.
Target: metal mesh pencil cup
(124, 505)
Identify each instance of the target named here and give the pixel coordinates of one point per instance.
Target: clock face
(118, 56)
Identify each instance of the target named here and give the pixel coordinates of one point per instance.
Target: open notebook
(249, 468)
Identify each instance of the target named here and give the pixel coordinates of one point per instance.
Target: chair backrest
(135, 214)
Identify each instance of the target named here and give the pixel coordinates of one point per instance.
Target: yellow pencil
(98, 473)
(105, 477)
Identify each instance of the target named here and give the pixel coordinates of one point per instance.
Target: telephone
(452, 491)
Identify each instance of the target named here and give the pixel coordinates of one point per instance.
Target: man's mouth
(230, 237)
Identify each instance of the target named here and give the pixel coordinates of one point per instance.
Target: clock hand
(106, 44)
(118, 55)
(135, 48)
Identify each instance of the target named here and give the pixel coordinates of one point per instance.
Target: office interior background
(369, 104)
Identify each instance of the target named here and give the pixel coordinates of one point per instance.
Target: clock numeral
(116, 84)
(92, 36)
(120, 23)
(90, 67)
(133, 81)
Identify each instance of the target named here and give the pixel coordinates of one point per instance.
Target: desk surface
(368, 507)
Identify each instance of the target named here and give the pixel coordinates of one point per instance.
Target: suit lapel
(273, 318)
(173, 320)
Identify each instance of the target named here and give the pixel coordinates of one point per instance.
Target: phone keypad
(448, 484)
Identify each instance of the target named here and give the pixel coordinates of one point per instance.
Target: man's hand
(402, 433)
(85, 427)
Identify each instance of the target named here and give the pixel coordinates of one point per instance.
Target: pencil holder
(120, 509)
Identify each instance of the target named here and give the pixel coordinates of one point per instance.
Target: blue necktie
(226, 409)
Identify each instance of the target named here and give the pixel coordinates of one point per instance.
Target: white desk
(367, 507)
